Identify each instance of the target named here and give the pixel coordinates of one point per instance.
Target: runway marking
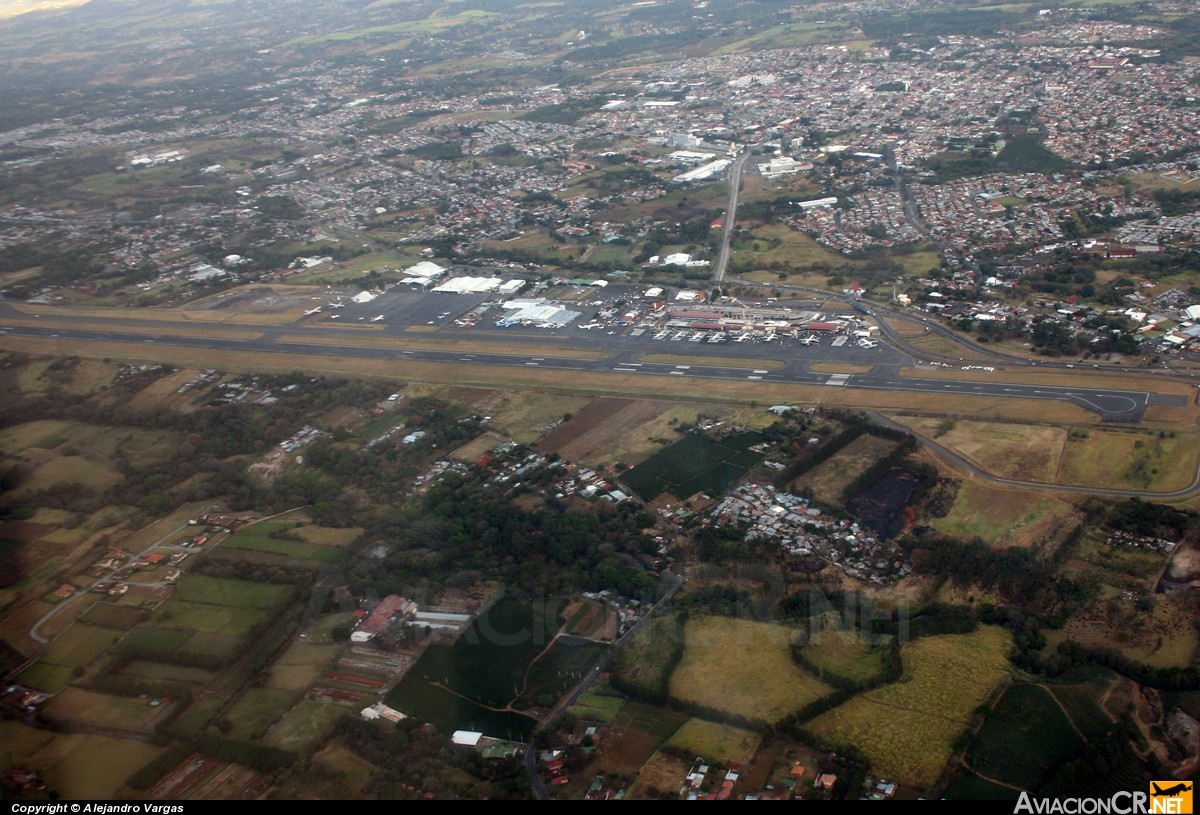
(676, 373)
(754, 377)
(531, 363)
(838, 379)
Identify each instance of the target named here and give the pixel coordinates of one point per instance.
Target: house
(825, 781)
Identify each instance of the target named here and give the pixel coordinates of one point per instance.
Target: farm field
(646, 659)
(715, 742)
(595, 707)
(300, 665)
(207, 618)
(1080, 691)
(907, 729)
(744, 668)
(1024, 739)
(847, 655)
(626, 430)
(695, 464)
(229, 592)
(79, 645)
(304, 726)
(77, 766)
(103, 710)
(637, 732)
(256, 710)
(829, 478)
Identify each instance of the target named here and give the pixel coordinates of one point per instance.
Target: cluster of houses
(803, 530)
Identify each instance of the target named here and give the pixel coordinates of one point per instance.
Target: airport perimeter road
(969, 466)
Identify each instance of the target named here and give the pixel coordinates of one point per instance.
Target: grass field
(79, 645)
(305, 726)
(779, 243)
(1004, 517)
(76, 766)
(300, 665)
(595, 707)
(847, 655)
(110, 615)
(626, 430)
(743, 667)
(643, 660)
(193, 720)
(45, 676)
(1080, 692)
(156, 642)
(1131, 460)
(103, 710)
(206, 617)
(169, 673)
(256, 710)
(293, 549)
(1023, 452)
(829, 478)
(1025, 738)
(229, 592)
(907, 729)
(715, 742)
(528, 415)
(637, 732)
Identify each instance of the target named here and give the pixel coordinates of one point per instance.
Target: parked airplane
(811, 339)
(312, 311)
(334, 316)
(377, 319)
(335, 305)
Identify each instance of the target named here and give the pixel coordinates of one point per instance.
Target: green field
(293, 549)
(256, 710)
(300, 665)
(305, 726)
(103, 710)
(559, 670)
(154, 641)
(170, 673)
(77, 766)
(45, 676)
(594, 707)
(1080, 692)
(908, 728)
(1024, 739)
(695, 464)
(207, 618)
(111, 615)
(846, 655)
(715, 742)
(79, 645)
(228, 592)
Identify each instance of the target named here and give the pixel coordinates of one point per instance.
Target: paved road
(735, 188)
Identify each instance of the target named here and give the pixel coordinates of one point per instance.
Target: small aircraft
(312, 311)
(335, 305)
(334, 316)
(1170, 791)
(377, 318)
(811, 339)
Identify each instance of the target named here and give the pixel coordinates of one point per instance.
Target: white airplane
(334, 316)
(811, 339)
(335, 305)
(312, 311)
(867, 344)
(377, 319)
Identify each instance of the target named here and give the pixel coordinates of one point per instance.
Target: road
(735, 187)
(672, 582)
